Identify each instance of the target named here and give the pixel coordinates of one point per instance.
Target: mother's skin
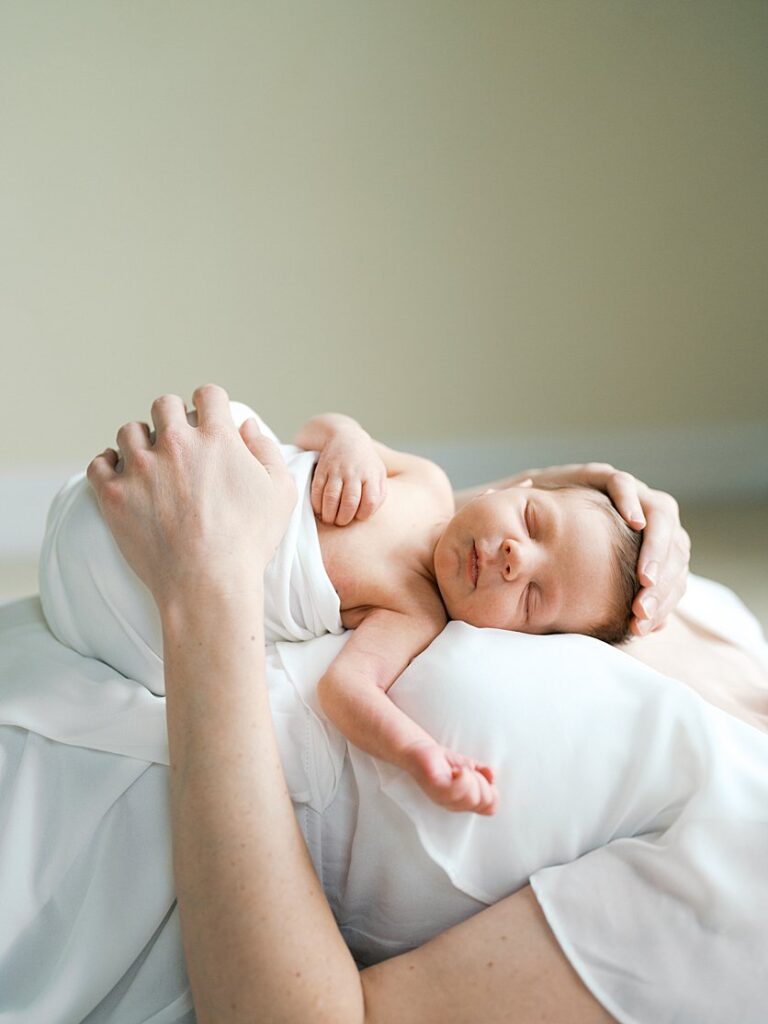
(260, 940)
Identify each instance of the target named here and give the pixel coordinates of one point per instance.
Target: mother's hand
(662, 566)
(194, 505)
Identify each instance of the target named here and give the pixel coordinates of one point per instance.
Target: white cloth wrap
(639, 812)
(96, 605)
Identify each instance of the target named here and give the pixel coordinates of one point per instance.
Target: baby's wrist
(350, 429)
(411, 757)
(339, 423)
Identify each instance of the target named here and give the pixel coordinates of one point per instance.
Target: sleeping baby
(379, 544)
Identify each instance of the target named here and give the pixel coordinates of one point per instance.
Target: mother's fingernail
(643, 626)
(649, 605)
(651, 572)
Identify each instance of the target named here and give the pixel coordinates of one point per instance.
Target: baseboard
(704, 462)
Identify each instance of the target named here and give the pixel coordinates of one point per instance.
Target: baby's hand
(350, 478)
(453, 781)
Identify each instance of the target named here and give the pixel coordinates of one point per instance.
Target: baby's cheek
(488, 612)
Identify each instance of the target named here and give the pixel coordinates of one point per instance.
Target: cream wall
(455, 220)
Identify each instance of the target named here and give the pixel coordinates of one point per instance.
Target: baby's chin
(450, 608)
(457, 613)
(476, 619)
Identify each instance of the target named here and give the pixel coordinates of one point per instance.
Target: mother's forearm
(259, 938)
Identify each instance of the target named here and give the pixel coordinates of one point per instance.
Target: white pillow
(587, 744)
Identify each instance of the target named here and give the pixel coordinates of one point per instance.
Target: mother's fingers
(268, 453)
(168, 411)
(653, 605)
(654, 602)
(623, 491)
(212, 404)
(668, 604)
(264, 448)
(662, 523)
(102, 468)
(132, 437)
(658, 601)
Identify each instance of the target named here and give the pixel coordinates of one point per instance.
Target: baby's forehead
(584, 519)
(592, 501)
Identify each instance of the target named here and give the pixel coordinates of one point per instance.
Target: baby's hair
(614, 627)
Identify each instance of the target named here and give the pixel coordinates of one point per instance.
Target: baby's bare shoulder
(414, 598)
(427, 487)
(418, 599)
(435, 480)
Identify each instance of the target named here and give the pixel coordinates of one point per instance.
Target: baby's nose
(516, 559)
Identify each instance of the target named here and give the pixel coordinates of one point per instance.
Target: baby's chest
(377, 563)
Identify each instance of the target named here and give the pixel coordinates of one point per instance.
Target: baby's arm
(353, 694)
(350, 480)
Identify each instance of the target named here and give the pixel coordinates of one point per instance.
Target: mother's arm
(258, 934)
(259, 937)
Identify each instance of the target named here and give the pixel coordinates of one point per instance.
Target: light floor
(730, 544)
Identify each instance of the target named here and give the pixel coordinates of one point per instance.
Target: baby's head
(540, 560)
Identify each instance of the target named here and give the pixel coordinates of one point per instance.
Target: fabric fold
(639, 811)
(55, 692)
(95, 604)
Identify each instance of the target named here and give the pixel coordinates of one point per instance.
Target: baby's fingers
(472, 791)
(316, 491)
(349, 502)
(372, 498)
(330, 499)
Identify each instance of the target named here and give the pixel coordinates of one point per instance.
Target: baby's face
(525, 559)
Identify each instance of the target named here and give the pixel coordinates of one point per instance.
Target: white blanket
(95, 604)
(639, 811)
